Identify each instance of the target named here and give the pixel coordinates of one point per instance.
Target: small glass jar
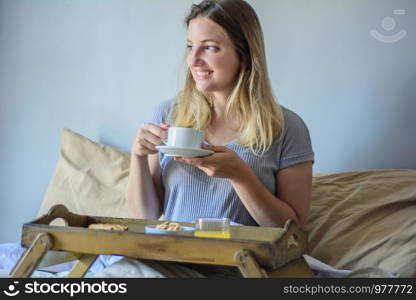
(213, 228)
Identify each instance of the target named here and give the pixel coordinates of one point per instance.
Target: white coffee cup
(182, 137)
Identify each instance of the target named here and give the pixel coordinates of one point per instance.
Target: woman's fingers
(146, 144)
(215, 148)
(155, 130)
(147, 138)
(164, 126)
(146, 135)
(197, 162)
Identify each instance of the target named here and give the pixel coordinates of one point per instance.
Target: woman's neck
(219, 120)
(219, 103)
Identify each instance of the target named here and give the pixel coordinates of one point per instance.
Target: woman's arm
(294, 187)
(144, 191)
(294, 192)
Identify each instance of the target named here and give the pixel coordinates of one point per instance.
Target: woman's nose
(194, 58)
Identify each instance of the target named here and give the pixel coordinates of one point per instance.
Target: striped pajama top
(191, 194)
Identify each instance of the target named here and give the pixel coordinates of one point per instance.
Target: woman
(261, 169)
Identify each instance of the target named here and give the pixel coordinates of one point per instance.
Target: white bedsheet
(11, 252)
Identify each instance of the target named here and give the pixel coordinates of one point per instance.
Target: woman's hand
(147, 138)
(224, 163)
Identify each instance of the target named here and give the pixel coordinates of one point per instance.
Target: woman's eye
(211, 48)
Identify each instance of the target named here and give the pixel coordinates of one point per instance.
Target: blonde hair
(251, 103)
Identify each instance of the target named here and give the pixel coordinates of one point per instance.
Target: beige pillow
(89, 178)
(365, 219)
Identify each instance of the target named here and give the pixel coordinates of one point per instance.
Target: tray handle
(59, 215)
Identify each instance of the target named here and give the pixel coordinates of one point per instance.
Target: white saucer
(183, 152)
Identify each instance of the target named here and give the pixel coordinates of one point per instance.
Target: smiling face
(212, 58)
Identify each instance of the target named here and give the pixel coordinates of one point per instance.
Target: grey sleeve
(160, 113)
(296, 143)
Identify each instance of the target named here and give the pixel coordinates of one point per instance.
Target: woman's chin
(204, 89)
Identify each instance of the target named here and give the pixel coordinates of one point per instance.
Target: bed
(362, 223)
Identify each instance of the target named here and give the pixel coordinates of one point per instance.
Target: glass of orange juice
(213, 228)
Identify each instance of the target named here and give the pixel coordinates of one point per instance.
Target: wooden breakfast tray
(256, 251)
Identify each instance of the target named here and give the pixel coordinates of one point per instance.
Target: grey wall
(100, 67)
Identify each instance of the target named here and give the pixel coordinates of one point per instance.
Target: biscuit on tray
(171, 226)
(116, 227)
